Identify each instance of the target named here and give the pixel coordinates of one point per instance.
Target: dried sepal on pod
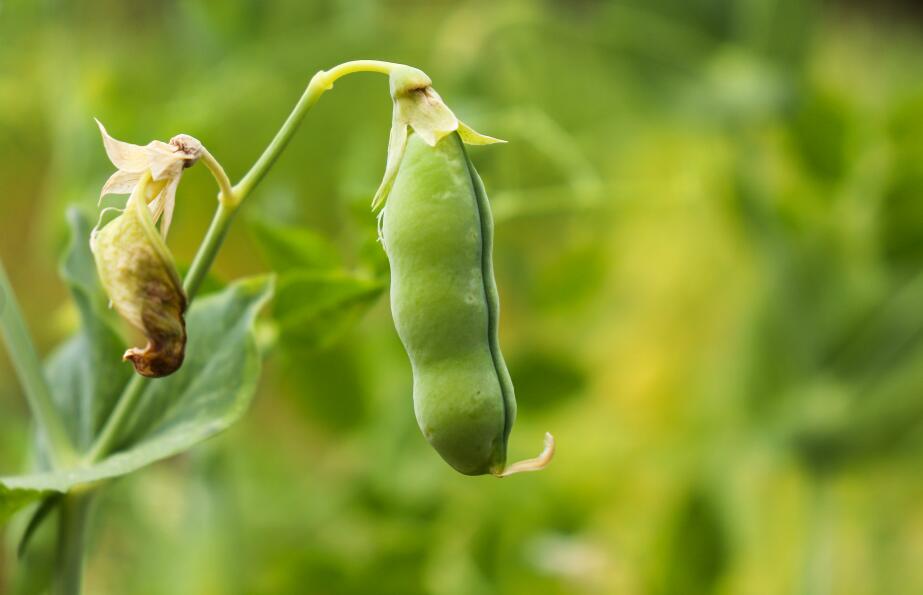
(419, 108)
(140, 278)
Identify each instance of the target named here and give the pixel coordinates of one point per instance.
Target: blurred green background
(709, 248)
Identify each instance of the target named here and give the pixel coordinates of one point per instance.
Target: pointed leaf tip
(470, 136)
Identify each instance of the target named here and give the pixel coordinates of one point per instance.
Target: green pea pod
(138, 274)
(438, 234)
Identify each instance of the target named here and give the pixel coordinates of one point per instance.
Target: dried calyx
(140, 278)
(419, 108)
(134, 264)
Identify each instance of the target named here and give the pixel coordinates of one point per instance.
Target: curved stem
(319, 84)
(224, 183)
(341, 70)
(29, 369)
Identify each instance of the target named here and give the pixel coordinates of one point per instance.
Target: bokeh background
(709, 251)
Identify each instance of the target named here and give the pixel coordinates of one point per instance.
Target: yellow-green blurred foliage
(709, 248)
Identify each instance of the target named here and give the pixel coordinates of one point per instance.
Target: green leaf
(547, 378)
(221, 370)
(208, 394)
(318, 299)
(85, 373)
(12, 498)
(696, 551)
(312, 377)
(287, 248)
(38, 517)
(313, 309)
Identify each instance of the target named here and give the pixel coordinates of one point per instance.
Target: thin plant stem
(106, 441)
(208, 250)
(319, 84)
(229, 201)
(73, 519)
(224, 183)
(29, 369)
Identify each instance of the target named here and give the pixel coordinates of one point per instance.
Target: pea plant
(97, 418)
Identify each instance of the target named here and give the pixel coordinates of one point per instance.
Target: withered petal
(164, 160)
(121, 182)
(125, 156)
(158, 358)
(168, 196)
(396, 145)
(425, 112)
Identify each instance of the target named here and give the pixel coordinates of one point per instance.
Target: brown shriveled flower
(140, 278)
(164, 161)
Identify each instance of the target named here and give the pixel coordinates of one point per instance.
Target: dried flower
(138, 274)
(164, 161)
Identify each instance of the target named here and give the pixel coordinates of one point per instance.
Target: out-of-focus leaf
(36, 566)
(544, 379)
(888, 331)
(12, 499)
(890, 417)
(287, 248)
(898, 222)
(373, 257)
(820, 134)
(313, 309)
(38, 517)
(697, 549)
(575, 275)
(816, 423)
(327, 384)
(317, 299)
(831, 426)
(86, 373)
(209, 393)
(219, 375)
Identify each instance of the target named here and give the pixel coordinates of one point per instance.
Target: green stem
(229, 201)
(72, 529)
(320, 83)
(226, 192)
(208, 249)
(29, 369)
(111, 432)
